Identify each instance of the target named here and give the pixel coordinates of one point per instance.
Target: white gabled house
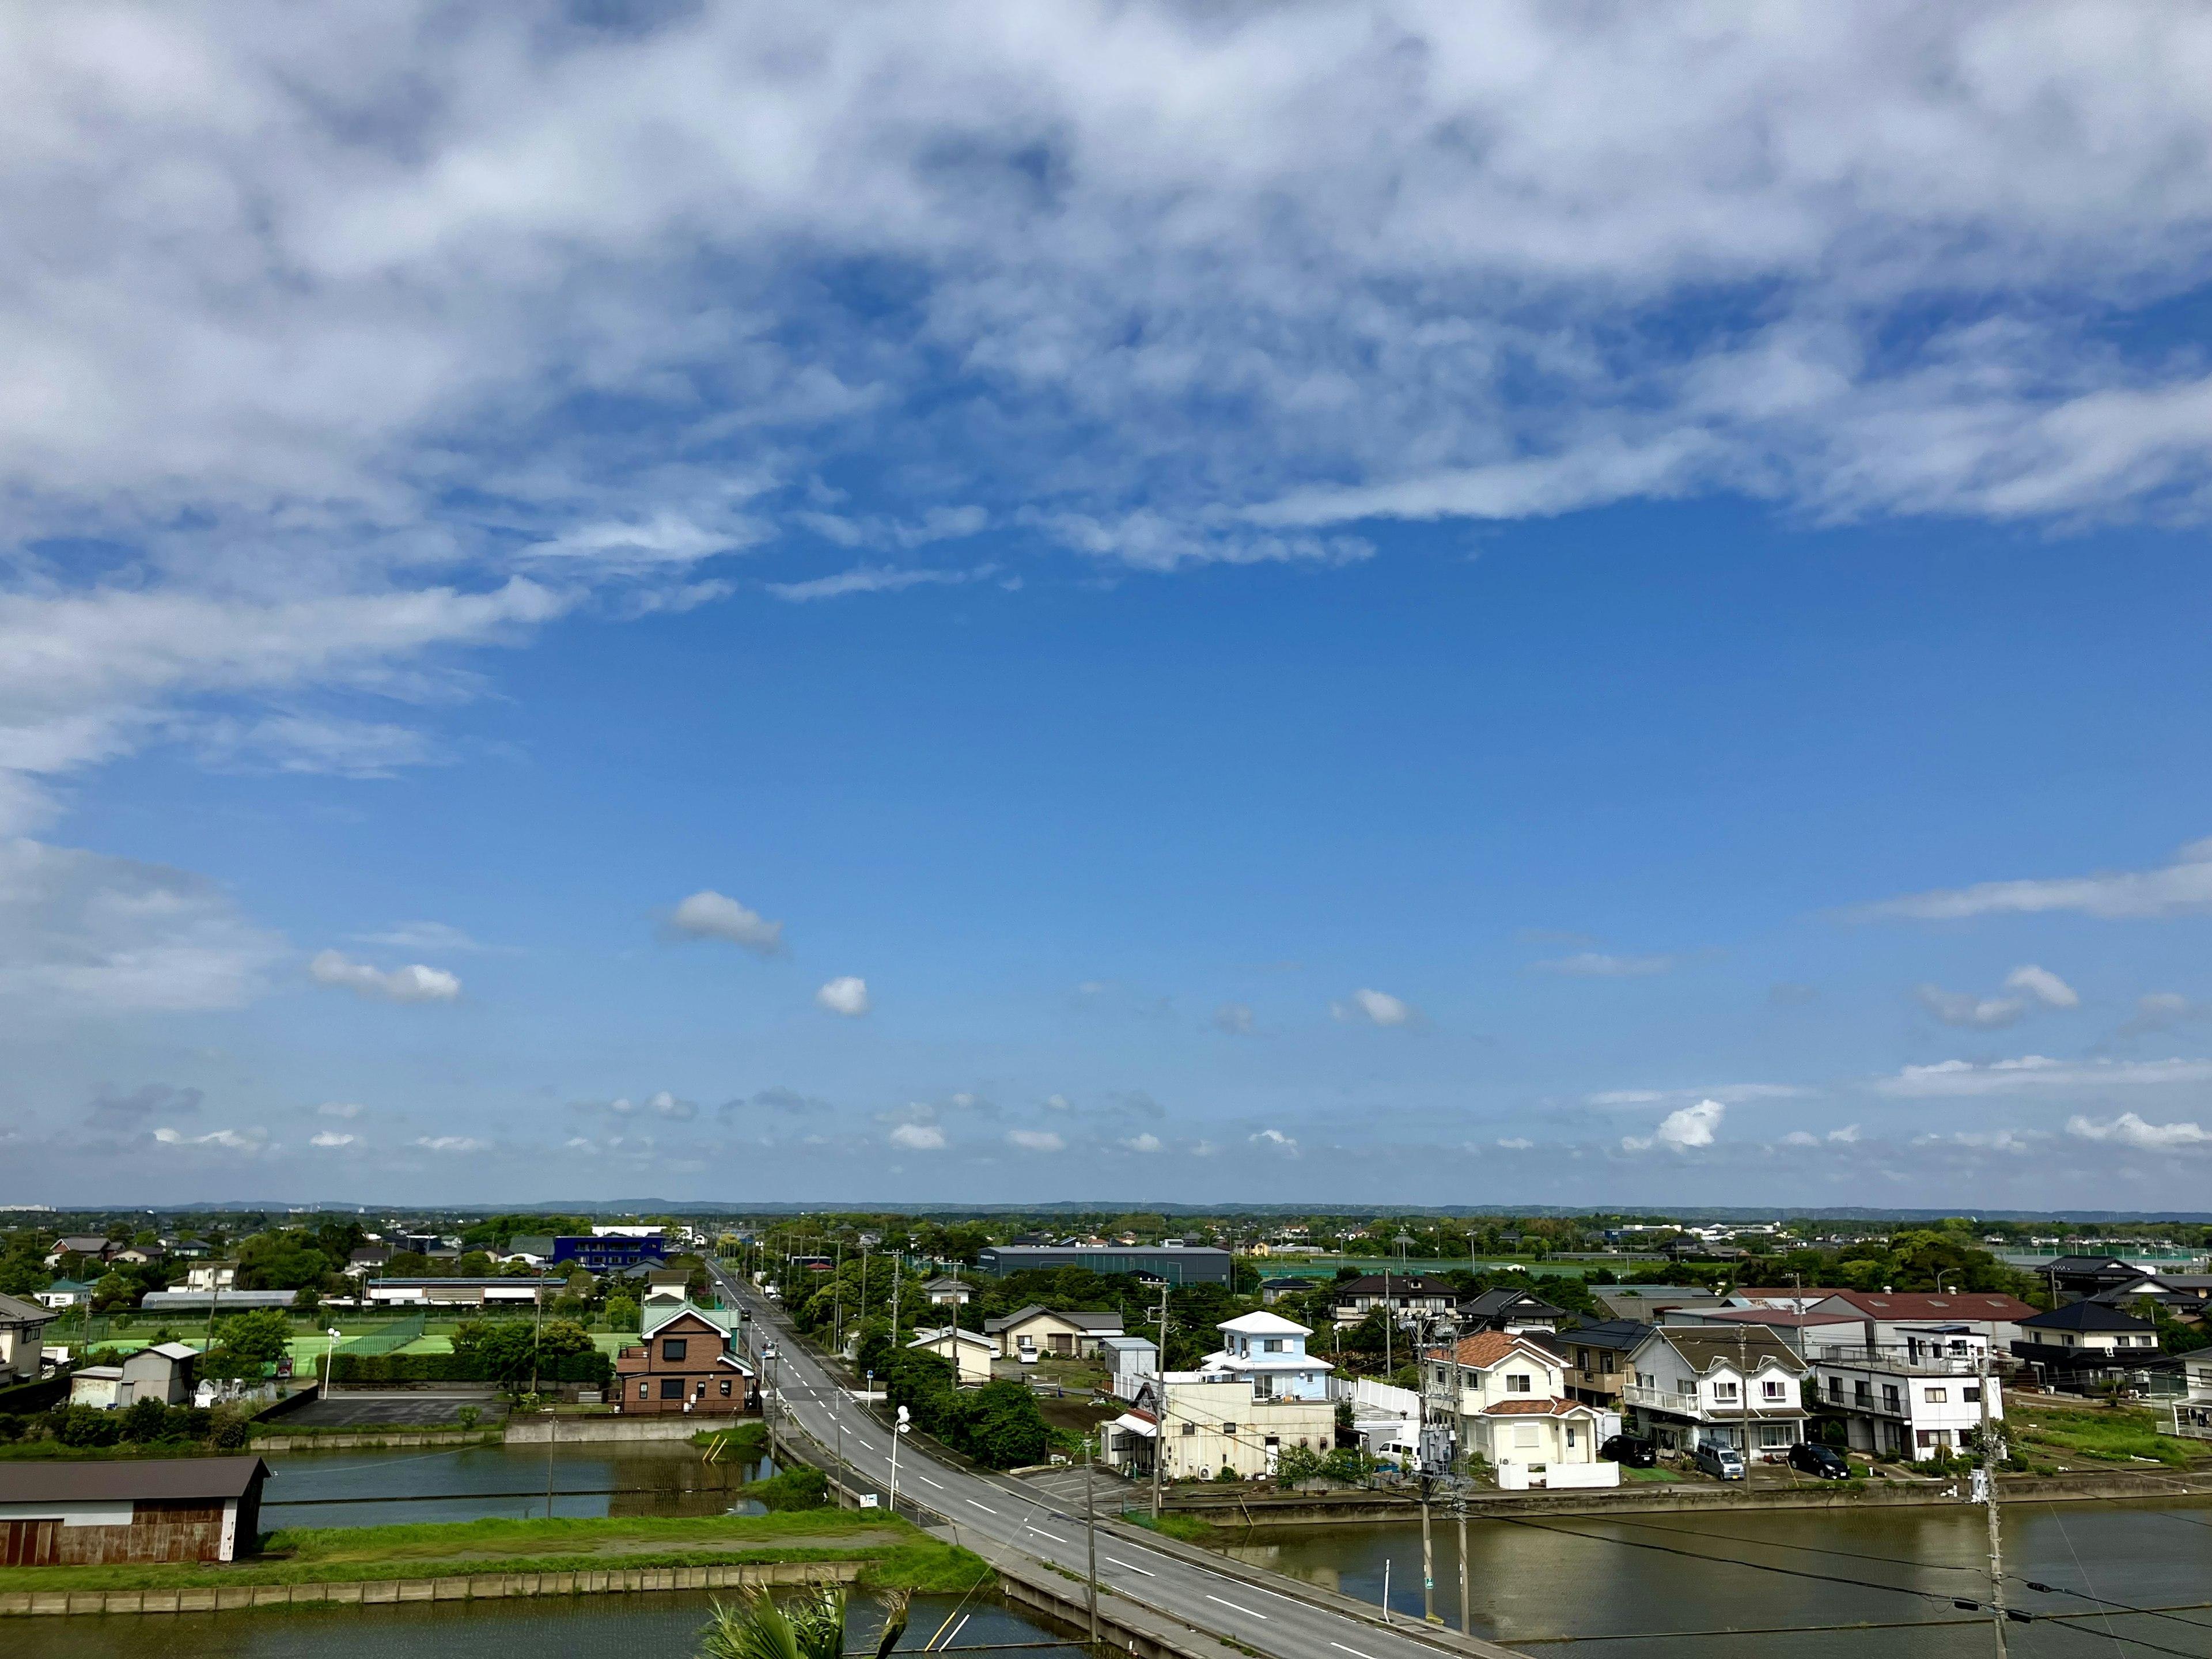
(1257, 1394)
(971, 1351)
(1505, 1396)
(1700, 1385)
(1268, 1351)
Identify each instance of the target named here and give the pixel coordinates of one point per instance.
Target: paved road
(1280, 1625)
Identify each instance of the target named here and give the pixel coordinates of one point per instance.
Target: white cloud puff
(919, 1138)
(846, 995)
(1678, 1131)
(234, 1140)
(709, 914)
(452, 1144)
(1275, 1141)
(1036, 1140)
(1959, 1008)
(413, 983)
(1145, 1143)
(2035, 1072)
(332, 1138)
(1515, 1144)
(338, 1108)
(1375, 1008)
(2046, 986)
(2181, 887)
(2129, 1130)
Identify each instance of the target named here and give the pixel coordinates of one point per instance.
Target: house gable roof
(1400, 1285)
(129, 1480)
(1081, 1322)
(17, 1311)
(1950, 1305)
(1510, 1301)
(2085, 1316)
(1703, 1349)
(659, 1320)
(1618, 1334)
(1494, 1348)
(1264, 1324)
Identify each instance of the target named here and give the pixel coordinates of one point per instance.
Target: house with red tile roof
(1505, 1396)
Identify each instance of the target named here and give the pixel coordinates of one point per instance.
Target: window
(1938, 1396)
(1889, 1400)
(1725, 1392)
(1273, 1345)
(1836, 1390)
(1770, 1389)
(1582, 1360)
(1570, 1434)
(1190, 1428)
(1776, 1434)
(1517, 1382)
(1972, 1394)
(671, 1388)
(640, 1389)
(1524, 1435)
(1605, 1361)
(673, 1348)
(1926, 1437)
(725, 1387)
(1228, 1428)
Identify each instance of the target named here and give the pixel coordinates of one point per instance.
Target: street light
(902, 1427)
(330, 1351)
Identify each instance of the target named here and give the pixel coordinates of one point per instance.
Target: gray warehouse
(1178, 1264)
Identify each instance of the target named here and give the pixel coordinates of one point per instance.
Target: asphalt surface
(1035, 1523)
(387, 1410)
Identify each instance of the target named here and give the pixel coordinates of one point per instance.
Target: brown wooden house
(82, 1514)
(687, 1363)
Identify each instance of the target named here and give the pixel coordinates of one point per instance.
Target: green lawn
(900, 1556)
(2108, 1435)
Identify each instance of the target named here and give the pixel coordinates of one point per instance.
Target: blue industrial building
(605, 1253)
(1178, 1264)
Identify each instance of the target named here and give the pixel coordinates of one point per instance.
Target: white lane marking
(1133, 1567)
(927, 1481)
(1354, 1652)
(1041, 1533)
(986, 1508)
(1247, 1612)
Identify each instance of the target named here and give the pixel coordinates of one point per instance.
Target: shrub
(798, 1488)
(88, 1426)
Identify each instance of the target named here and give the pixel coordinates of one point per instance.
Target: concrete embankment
(1350, 1508)
(385, 1592)
(519, 1432)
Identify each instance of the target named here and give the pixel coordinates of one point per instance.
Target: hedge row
(463, 1367)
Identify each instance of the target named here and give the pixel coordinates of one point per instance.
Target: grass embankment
(2105, 1434)
(898, 1556)
(1188, 1527)
(746, 1444)
(52, 1451)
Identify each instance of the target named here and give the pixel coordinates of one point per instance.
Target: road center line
(927, 1481)
(1247, 1612)
(986, 1508)
(1354, 1652)
(1133, 1567)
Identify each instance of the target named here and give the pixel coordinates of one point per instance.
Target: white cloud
(1597, 964)
(1846, 1136)
(708, 914)
(1058, 1102)
(1037, 1140)
(1145, 1143)
(1728, 1094)
(1274, 1140)
(2130, 1130)
(84, 934)
(1680, 1130)
(1375, 1008)
(1984, 1140)
(845, 995)
(2036, 1071)
(2181, 887)
(452, 1144)
(338, 1108)
(1516, 1144)
(919, 1136)
(426, 936)
(1957, 1008)
(1800, 1138)
(235, 1140)
(413, 983)
(1234, 1018)
(872, 578)
(331, 1137)
(2158, 1010)
(2046, 986)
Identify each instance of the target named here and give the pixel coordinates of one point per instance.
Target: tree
(1005, 1429)
(246, 1344)
(810, 1626)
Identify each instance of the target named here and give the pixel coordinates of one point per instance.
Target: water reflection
(472, 1483)
(586, 1624)
(1603, 1580)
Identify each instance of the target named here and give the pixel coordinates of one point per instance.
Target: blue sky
(1156, 605)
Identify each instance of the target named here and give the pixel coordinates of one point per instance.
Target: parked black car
(1808, 1459)
(1626, 1449)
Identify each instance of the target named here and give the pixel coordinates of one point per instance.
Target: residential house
(1403, 1294)
(1693, 1385)
(1269, 1353)
(184, 1246)
(98, 1386)
(1211, 1425)
(686, 1362)
(2188, 1413)
(1038, 1331)
(130, 1511)
(1273, 1291)
(2077, 1278)
(369, 1258)
(22, 1339)
(1646, 1302)
(138, 1256)
(1595, 1359)
(971, 1351)
(2076, 1347)
(66, 1293)
(1802, 1331)
(93, 1245)
(1883, 1314)
(531, 1249)
(2184, 1297)
(1505, 1396)
(665, 1281)
(948, 1291)
(209, 1276)
(1508, 1311)
(1923, 1399)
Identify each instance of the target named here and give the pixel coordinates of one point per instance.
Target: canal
(1671, 1586)
(665, 1626)
(472, 1483)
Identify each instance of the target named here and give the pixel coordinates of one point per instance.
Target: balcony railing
(1662, 1399)
(1902, 1361)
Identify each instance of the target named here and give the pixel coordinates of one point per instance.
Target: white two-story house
(1920, 1397)
(1268, 1351)
(1692, 1385)
(1257, 1394)
(1505, 1396)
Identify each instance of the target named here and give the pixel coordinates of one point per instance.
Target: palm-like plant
(811, 1626)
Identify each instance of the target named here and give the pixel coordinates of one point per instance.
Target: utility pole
(1389, 1318)
(837, 1303)
(1466, 1606)
(1992, 1455)
(1428, 1556)
(1090, 1536)
(1160, 1416)
(1743, 1396)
